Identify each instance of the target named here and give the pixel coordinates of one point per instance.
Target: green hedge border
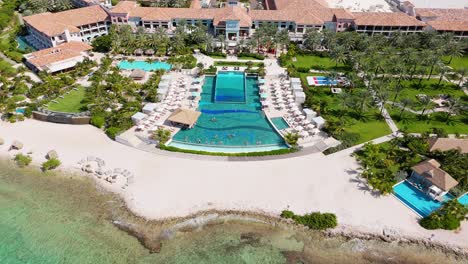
(243, 154)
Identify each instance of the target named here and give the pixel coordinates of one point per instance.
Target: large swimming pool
(143, 65)
(417, 200)
(229, 126)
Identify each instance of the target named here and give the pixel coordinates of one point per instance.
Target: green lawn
(457, 63)
(316, 62)
(428, 87)
(368, 128)
(412, 124)
(70, 103)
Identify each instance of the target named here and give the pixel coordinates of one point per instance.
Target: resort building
(429, 178)
(445, 20)
(236, 22)
(386, 23)
(445, 144)
(48, 30)
(60, 58)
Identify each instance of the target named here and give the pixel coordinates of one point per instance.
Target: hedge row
(244, 154)
(246, 55)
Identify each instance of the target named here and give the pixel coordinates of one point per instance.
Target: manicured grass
(217, 57)
(369, 127)
(457, 63)
(413, 124)
(428, 87)
(237, 63)
(316, 62)
(70, 103)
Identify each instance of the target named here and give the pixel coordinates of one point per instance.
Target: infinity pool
(227, 126)
(417, 200)
(143, 65)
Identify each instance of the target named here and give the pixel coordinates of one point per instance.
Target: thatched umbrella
(16, 145)
(149, 52)
(52, 155)
(138, 52)
(2, 141)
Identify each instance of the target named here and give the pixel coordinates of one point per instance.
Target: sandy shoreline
(168, 187)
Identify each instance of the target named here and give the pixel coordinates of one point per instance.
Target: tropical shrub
(316, 220)
(448, 217)
(112, 132)
(161, 135)
(291, 138)
(102, 43)
(250, 55)
(97, 121)
(51, 164)
(22, 160)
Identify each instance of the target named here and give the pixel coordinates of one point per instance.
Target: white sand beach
(361, 5)
(167, 186)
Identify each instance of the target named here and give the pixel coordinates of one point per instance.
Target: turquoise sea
(47, 218)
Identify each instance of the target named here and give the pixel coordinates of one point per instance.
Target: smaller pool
(279, 123)
(23, 45)
(143, 65)
(20, 110)
(463, 199)
(417, 200)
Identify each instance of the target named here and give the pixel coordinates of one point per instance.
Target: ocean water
(47, 218)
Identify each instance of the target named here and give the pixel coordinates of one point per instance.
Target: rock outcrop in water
(154, 245)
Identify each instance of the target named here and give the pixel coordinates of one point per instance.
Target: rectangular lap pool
(279, 123)
(230, 87)
(143, 65)
(418, 201)
(229, 126)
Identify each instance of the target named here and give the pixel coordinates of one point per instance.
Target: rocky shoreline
(169, 227)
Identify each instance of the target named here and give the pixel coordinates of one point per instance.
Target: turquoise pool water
(239, 126)
(23, 44)
(230, 87)
(143, 65)
(279, 123)
(417, 200)
(463, 199)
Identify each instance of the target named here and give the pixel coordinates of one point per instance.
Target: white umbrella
(281, 106)
(290, 100)
(297, 112)
(310, 126)
(299, 128)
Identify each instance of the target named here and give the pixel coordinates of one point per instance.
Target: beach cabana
(318, 121)
(148, 108)
(431, 179)
(138, 74)
(309, 113)
(185, 117)
(300, 97)
(149, 52)
(295, 81)
(138, 52)
(138, 117)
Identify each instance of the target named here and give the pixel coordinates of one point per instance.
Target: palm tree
(405, 102)
(312, 39)
(338, 55)
(454, 106)
(426, 101)
(282, 39)
(433, 60)
(442, 72)
(291, 139)
(398, 89)
(454, 49)
(462, 73)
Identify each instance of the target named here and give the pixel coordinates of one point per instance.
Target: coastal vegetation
(315, 221)
(22, 160)
(243, 154)
(161, 135)
(51, 164)
(448, 217)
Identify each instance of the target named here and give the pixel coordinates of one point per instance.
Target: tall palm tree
(338, 55)
(454, 106)
(454, 49)
(443, 70)
(312, 39)
(426, 102)
(398, 89)
(405, 102)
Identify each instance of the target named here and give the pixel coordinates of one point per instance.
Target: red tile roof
(385, 19)
(65, 51)
(53, 24)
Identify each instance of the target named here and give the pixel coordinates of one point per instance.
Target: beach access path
(168, 186)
